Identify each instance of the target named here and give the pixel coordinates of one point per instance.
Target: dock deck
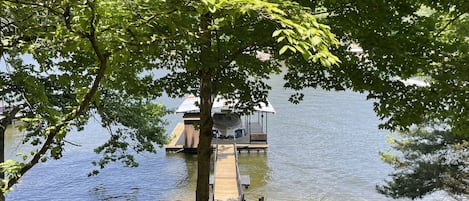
(242, 144)
(227, 185)
(175, 145)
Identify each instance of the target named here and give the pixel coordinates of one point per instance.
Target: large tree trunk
(206, 102)
(204, 148)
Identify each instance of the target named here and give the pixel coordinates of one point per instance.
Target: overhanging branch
(449, 23)
(82, 107)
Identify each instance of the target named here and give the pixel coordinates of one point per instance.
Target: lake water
(325, 148)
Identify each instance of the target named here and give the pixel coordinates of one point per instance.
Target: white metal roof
(265, 108)
(189, 105)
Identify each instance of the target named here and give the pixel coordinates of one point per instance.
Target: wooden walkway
(227, 184)
(175, 136)
(176, 144)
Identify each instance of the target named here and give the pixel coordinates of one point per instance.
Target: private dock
(227, 185)
(178, 142)
(228, 126)
(230, 135)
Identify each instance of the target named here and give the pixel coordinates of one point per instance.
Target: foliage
(81, 49)
(401, 40)
(210, 48)
(12, 168)
(132, 124)
(430, 161)
(236, 39)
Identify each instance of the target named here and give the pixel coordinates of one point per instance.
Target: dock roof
(190, 104)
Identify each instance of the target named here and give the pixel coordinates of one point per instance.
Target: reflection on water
(185, 183)
(255, 165)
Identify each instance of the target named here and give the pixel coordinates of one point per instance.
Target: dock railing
(214, 172)
(238, 177)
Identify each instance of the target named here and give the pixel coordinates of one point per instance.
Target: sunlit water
(325, 148)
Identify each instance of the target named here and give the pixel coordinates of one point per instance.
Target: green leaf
(292, 48)
(316, 40)
(276, 33)
(280, 39)
(212, 9)
(284, 48)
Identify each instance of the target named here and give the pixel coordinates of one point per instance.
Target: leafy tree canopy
(400, 40)
(422, 40)
(87, 62)
(91, 51)
(211, 48)
(430, 161)
(238, 31)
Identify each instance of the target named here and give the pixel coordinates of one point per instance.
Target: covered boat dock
(248, 132)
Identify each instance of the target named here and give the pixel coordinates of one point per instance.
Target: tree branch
(8, 23)
(449, 23)
(33, 3)
(74, 144)
(237, 54)
(7, 120)
(83, 106)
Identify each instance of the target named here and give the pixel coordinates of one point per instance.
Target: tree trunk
(206, 102)
(3, 128)
(2, 155)
(205, 139)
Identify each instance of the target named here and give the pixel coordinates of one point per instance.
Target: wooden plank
(191, 119)
(226, 182)
(252, 146)
(258, 137)
(176, 134)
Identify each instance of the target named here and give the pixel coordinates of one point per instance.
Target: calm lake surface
(325, 148)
